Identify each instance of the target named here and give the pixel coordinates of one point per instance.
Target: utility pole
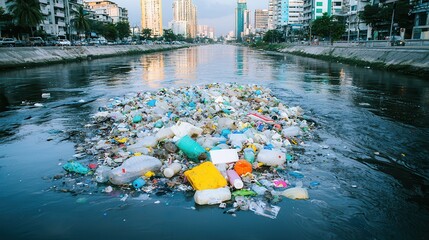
(391, 23)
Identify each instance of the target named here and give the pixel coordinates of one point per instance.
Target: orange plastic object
(243, 167)
(205, 176)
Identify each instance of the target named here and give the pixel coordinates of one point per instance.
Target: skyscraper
(261, 20)
(152, 16)
(185, 11)
(239, 19)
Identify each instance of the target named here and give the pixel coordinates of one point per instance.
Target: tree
(110, 32)
(169, 35)
(147, 32)
(378, 17)
(328, 26)
(81, 23)
(26, 13)
(273, 36)
(5, 19)
(123, 29)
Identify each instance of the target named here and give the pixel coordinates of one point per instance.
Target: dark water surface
(370, 157)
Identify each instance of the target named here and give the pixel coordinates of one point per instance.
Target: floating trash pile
(232, 144)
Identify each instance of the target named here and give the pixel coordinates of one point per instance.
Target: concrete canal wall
(29, 56)
(412, 60)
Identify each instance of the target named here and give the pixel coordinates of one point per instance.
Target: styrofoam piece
(224, 156)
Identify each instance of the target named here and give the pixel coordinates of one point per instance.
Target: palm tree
(26, 13)
(81, 23)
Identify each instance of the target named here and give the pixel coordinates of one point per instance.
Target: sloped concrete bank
(402, 59)
(31, 56)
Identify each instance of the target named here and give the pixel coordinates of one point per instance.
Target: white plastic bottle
(271, 157)
(212, 196)
(133, 168)
(172, 170)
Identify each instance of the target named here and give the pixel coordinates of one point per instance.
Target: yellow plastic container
(205, 176)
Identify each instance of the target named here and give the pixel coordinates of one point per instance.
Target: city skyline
(219, 14)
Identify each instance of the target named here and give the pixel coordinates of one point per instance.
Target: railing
(378, 43)
(369, 44)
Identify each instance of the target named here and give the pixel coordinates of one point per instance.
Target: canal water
(370, 155)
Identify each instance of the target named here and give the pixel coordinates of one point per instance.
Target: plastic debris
(219, 156)
(264, 209)
(75, 167)
(242, 167)
(214, 133)
(133, 168)
(296, 193)
(212, 196)
(205, 176)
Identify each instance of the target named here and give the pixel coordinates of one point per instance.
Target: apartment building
(117, 13)
(261, 20)
(152, 16)
(184, 11)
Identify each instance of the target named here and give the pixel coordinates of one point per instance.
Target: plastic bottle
(138, 183)
(234, 179)
(271, 157)
(133, 168)
(249, 155)
(212, 196)
(260, 190)
(237, 139)
(164, 133)
(102, 174)
(291, 131)
(172, 170)
(192, 149)
(224, 123)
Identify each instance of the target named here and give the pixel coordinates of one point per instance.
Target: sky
(215, 13)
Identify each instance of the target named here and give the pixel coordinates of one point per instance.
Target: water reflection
(241, 61)
(185, 65)
(153, 69)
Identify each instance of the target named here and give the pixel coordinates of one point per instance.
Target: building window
(318, 10)
(319, 4)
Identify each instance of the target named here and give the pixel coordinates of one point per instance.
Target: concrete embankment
(403, 59)
(30, 56)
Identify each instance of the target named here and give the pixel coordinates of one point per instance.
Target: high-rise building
(421, 22)
(286, 13)
(152, 16)
(117, 13)
(261, 20)
(239, 19)
(185, 11)
(272, 14)
(204, 31)
(295, 13)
